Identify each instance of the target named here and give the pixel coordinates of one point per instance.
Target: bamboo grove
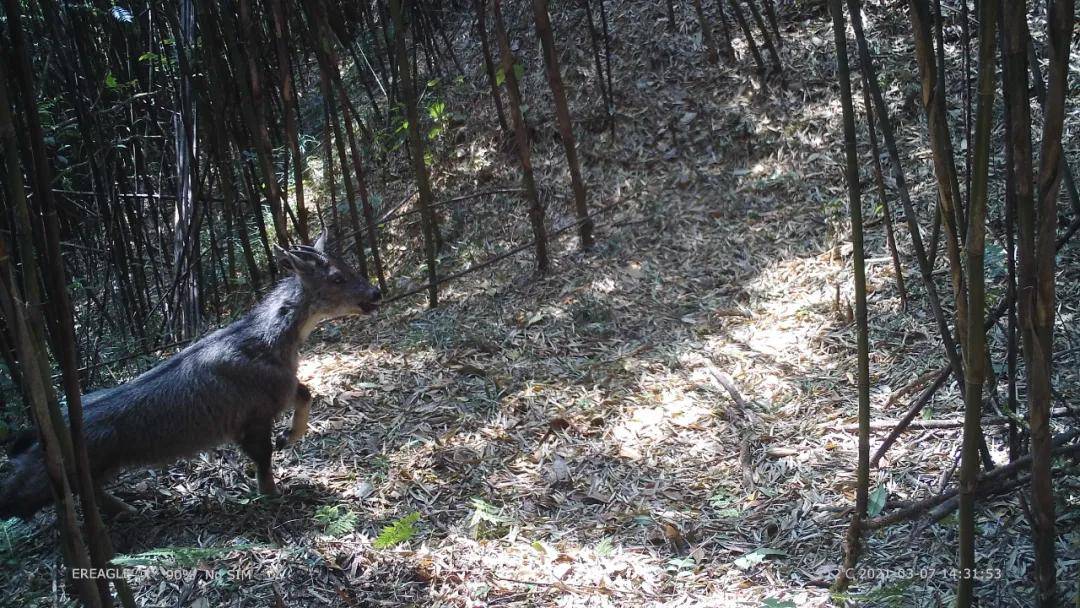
(1011, 184)
(155, 152)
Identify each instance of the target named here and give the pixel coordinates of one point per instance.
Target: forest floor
(565, 440)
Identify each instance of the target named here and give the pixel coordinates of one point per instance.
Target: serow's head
(332, 285)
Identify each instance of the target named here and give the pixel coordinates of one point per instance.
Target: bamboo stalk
(521, 130)
(416, 145)
(30, 346)
(707, 33)
(975, 349)
(926, 267)
(886, 211)
(853, 539)
(1038, 293)
(933, 99)
(749, 35)
(489, 66)
(562, 115)
(774, 55)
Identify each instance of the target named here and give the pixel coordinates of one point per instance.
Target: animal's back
(230, 385)
(198, 399)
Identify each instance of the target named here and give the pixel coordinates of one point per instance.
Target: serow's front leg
(110, 505)
(257, 444)
(301, 415)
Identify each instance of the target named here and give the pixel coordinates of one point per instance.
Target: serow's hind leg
(257, 444)
(301, 414)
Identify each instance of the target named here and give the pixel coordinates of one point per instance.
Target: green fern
(14, 534)
(337, 520)
(485, 512)
(183, 557)
(397, 532)
(487, 520)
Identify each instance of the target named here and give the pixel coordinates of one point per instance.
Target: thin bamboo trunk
(607, 62)
(521, 130)
(99, 544)
(257, 118)
(289, 111)
(879, 179)
(975, 351)
(594, 39)
(186, 311)
(1009, 222)
(416, 145)
(926, 268)
(343, 160)
(365, 200)
(748, 35)
(774, 55)
(707, 33)
(29, 340)
(770, 14)
(1040, 294)
(489, 66)
(933, 99)
(562, 115)
(854, 534)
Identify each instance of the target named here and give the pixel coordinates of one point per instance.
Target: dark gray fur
(227, 387)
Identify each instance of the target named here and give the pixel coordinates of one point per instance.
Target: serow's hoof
(267, 488)
(282, 441)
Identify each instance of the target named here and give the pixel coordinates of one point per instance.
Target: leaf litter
(564, 441)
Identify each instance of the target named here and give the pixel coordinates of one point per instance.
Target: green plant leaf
(398, 532)
(437, 110)
(680, 563)
(337, 520)
(184, 557)
(122, 14)
(756, 556)
(994, 261)
(484, 512)
(877, 501)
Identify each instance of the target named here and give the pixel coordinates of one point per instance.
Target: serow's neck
(286, 317)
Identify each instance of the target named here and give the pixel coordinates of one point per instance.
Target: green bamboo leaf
(877, 501)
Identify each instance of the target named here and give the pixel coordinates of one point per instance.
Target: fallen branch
(944, 509)
(1003, 305)
(725, 381)
(912, 412)
(1004, 487)
(912, 386)
(993, 477)
(946, 423)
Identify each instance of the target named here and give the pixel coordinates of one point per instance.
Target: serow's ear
(287, 260)
(321, 243)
